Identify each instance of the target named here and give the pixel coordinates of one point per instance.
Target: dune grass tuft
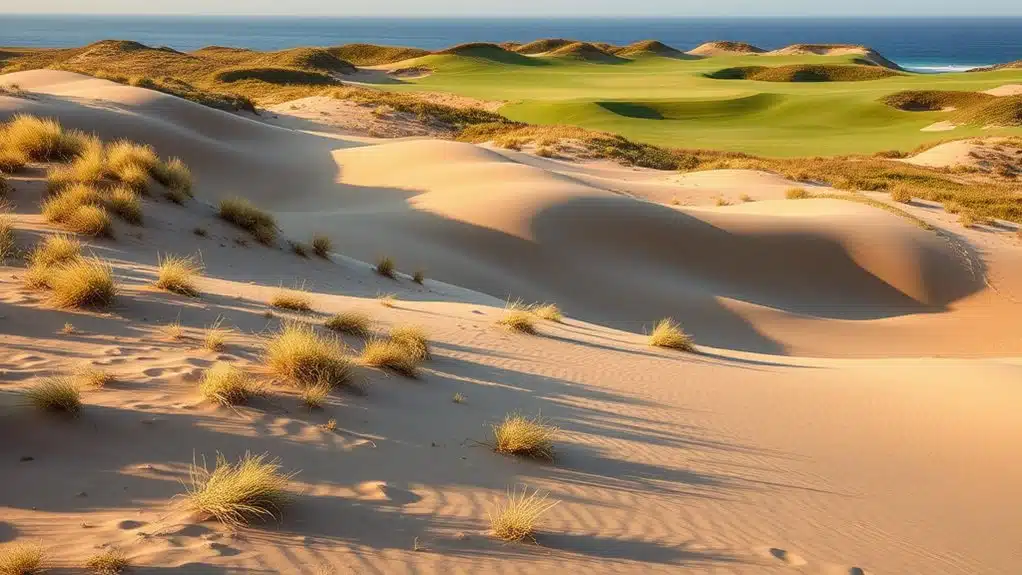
(174, 175)
(524, 436)
(419, 277)
(173, 330)
(549, 312)
(300, 249)
(90, 221)
(459, 398)
(57, 395)
(237, 493)
(227, 384)
(77, 207)
(321, 245)
(414, 339)
(517, 317)
(109, 562)
(89, 167)
(796, 194)
(21, 559)
(51, 251)
(240, 212)
(12, 160)
(515, 518)
(92, 377)
(216, 336)
(295, 299)
(902, 194)
(388, 354)
(134, 177)
(177, 274)
(668, 333)
(43, 139)
(301, 356)
(82, 282)
(352, 323)
(125, 204)
(7, 244)
(125, 155)
(385, 267)
(314, 396)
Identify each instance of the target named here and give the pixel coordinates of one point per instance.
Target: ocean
(923, 44)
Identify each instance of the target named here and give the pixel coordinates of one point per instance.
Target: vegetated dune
(968, 108)
(585, 52)
(723, 48)
(649, 47)
(1000, 156)
(274, 75)
(707, 461)
(1004, 66)
(543, 46)
(373, 55)
(935, 100)
(867, 55)
(805, 73)
(531, 224)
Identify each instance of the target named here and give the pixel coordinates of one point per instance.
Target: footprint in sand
(787, 556)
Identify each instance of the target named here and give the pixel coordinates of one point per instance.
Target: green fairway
(671, 101)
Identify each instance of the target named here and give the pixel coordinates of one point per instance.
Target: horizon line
(527, 17)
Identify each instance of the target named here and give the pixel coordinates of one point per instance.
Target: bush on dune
(351, 323)
(21, 559)
(388, 354)
(177, 274)
(126, 204)
(82, 282)
(515, 519)
(301, 356)
(57, 395)
(43, 139)
(109, 562)
(175, 175)
(525, 436)
(414, 339)
(237, 493)
(240, 212)
(668, 333)
(227, 385)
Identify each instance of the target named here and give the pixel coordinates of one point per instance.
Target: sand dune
(735, 459)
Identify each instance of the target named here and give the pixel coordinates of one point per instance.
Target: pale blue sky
(524, 7)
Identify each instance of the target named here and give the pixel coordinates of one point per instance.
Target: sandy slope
(725, 461)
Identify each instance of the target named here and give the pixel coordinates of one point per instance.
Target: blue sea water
(925, 44)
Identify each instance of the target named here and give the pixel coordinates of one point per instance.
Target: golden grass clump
(89, 167)
(549, 312)
(92, 377)
(388, 354)
(524, 436)
(21, 559)
(216, 336)
(300, 249)
(11, 159)
(301, 356)
(385, 267)
(135, 177)
(51, 251)
(7, 245)
(352, 323)
(90, 221)
(177, 274)
(321, 245)
(419, 276)
(515, 518)
(796, 194)
(387, 299)
(238, 493)
(517, 317)
(295, 299)
(414, 339)
(174, 175)
(902, 194)
(459, 398)
(82, 282)
(125, 156)
(240, 212)
(59, 207)
(227, 384)
(57, 395)
(668, 333)
(43, 139)
(125, 203)
(109, 562)
(315, 395)
(173, 331)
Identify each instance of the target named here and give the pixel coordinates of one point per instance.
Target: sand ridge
(754, 455)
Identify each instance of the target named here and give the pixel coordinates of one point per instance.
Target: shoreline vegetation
(241, 80)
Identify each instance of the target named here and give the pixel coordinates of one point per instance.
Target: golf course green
(675, 100)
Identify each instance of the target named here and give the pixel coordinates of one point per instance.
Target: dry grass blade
(301, 356)
(82, 282)
(352, 323)
(524, 436)
(177, 274)
(109, 562)
(390, 355)
(56, 394)
(238, 493)
(21, 559)
(515, 518)
(414, 339)
(226, 384)
(668, 333)
(173, 331)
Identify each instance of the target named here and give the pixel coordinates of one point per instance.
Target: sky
(523, 8)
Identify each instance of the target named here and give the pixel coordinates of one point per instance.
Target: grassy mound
(934, 100)
(318, 59)
(586, 52)
(722, 46)
(544, 45)
(648, 47)
(490, 52)
(805, 73)
(1003, 111)
(373, 55)
(276, 75)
